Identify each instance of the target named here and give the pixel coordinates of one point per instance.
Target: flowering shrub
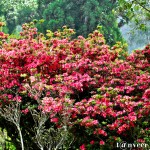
(74, 93)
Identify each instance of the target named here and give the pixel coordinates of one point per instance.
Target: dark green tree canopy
(82, 15)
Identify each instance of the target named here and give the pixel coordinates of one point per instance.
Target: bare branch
(12, 113)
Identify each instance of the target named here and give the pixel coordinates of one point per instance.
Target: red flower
(141, 140)
(101, 142)
(25, 111)
(55, 120)
(92, 142)
(82, 147)
(147, 94)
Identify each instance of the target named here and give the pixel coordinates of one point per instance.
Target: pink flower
(55, 120)
(90, 108)
(95, 122)
(80, 37)
(1, 33)
(82, 147)
(147, 94)
(57, 108)
(17, 98)
(48, 93)
(92, 142)
(10, 96)
(101, 142)
(32, 79)
(129, 89)
(25, 111)
(132, 118)
(113, 126)
(122, 128)
(141, 140)
(100, 131)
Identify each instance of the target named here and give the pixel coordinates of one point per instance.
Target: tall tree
(17, 12)
(84, 16)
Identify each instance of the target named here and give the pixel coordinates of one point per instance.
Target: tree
(84, 16)
(17, 12)
(137, 11)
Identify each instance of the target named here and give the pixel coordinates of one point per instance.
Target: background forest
(121, 20)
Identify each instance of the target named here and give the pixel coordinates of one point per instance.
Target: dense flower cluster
(82, 83)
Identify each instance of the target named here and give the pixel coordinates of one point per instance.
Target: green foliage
(137, 11)
(83, 16)
(17, 12)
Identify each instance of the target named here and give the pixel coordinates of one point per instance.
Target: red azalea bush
(74, 93)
